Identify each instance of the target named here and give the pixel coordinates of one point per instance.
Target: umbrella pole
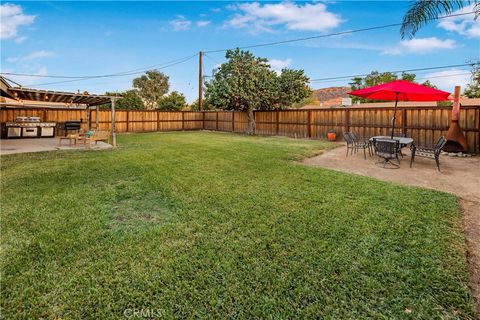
(394, 115)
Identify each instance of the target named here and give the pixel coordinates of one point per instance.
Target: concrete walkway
(12, 146)
(460, 176)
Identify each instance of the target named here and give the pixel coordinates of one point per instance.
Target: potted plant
(332, 135)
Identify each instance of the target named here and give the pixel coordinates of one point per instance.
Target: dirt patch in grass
(140, 212)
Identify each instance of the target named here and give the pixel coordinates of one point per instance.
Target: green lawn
(216, 225)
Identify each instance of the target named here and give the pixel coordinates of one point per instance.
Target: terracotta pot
(331, 136)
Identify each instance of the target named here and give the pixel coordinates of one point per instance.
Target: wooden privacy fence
(424, 124)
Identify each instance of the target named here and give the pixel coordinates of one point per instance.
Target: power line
(215, 63)
(396, 71)
(10, 80)
(416, 74)
(118, 74)
(420, 78)
(125, 74)
(333, 34)
(446, 75)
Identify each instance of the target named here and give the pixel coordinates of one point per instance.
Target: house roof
(47, 96)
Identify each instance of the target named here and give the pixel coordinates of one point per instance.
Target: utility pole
(200, 82)
(114, 135)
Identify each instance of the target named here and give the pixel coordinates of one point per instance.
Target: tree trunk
(251, 122)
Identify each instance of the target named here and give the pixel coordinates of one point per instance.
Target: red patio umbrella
(401, 90)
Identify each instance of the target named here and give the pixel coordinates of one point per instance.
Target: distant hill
(331, 96)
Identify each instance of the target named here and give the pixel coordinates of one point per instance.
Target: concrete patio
(460, 176)
(12, 146)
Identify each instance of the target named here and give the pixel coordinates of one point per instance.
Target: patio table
(403, 140)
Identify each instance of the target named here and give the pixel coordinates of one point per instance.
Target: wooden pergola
(44, 97)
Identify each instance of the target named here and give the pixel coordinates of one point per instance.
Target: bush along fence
(424, 124)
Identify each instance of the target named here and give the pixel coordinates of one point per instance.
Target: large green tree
(129, 100)
(174, 101)
(151, 87)
(247, 83)
(243, 83)
(422, 11)
(292, 87)
(473, 88)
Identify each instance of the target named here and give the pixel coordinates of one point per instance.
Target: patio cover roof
(21, 93)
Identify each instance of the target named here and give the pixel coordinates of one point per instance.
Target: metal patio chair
(387, 150)
(362, 143)
(430, 152)
(350, 142)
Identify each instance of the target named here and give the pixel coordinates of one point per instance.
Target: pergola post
(97, 109)
(88, 117)
(114, 137)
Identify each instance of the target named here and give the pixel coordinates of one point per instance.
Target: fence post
(89, 118)
(87, 115)
(158, 120)
(277, 129)
(203, 120)
(233, 121)
(128, 120)
(347, 120)
(216, 124)
(183, 120)
(309, 123)
(404, 121)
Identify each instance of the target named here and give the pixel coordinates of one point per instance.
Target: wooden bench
(430, 152)
(94, 136)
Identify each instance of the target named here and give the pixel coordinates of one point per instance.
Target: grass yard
(212, 225)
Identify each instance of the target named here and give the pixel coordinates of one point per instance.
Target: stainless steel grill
(28, 127)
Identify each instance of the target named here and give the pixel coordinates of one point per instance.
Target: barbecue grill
(28, 127)
(71, 126)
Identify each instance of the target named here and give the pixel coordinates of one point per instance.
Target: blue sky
(96, 38)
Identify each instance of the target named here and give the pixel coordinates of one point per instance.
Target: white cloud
(309, 17)
(203, 23)
(180, 24)
(277, 65)
(20, 39)
(421, 46)
(464, 25)
(448, 79)
(32, 56)
(11, 18)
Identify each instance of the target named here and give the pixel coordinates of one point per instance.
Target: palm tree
(421, 11)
